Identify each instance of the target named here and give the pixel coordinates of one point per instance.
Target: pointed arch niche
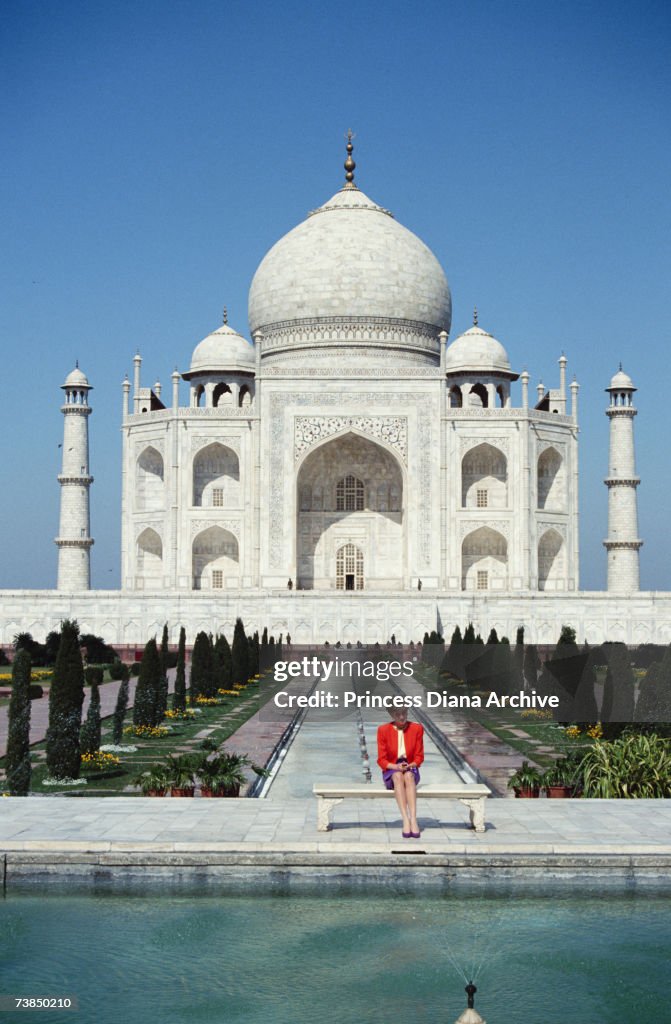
(484, 560)
(216, 477)
(150, 558)
(350, 490)
(149, 492)
(484, 478)
(215, 559)
(551, 561)
(551, 481)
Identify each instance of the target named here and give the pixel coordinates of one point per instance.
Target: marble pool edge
(185, 867)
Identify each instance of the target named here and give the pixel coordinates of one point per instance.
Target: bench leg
(477, 813)
(324, 807)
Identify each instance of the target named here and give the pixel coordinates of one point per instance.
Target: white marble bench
(472, 795)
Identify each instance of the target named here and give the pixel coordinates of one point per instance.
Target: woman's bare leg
(401, 799)
(411, 799)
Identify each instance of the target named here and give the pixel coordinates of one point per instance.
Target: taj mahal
(348, 472)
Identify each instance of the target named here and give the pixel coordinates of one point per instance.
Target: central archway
(350, 493)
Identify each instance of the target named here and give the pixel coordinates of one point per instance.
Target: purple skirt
(388, 775)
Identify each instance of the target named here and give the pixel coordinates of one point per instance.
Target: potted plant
(526, 781)
(224, 774)
(181, 774)
(153, 781)
(558, 780)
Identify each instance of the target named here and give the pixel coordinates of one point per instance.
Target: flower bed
(146, 731)
(100, 761)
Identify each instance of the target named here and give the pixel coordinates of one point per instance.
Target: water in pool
(354, 959)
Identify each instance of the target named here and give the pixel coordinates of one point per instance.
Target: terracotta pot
(231, 791)
(174, 791)
(155, 792)
(559, 792)
(527, 794)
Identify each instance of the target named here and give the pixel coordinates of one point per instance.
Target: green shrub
(35, 691)
(89, 739)
(629, 767)
(17, 763)
(202, 683)
(179, 696)
(120, 712)
(239, 654)
(147, 693)
(66, 697)
(94, 675)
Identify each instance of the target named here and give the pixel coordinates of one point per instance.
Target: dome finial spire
(475, 316)
(349, 162)
(225, 316)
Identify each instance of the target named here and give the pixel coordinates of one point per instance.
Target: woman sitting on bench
(400, 751)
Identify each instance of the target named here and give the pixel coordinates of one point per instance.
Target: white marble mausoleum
(348, 471)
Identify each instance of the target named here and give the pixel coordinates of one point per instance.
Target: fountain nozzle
(470, 991)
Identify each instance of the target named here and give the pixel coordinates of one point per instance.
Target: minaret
(623, 542)
(74, 540)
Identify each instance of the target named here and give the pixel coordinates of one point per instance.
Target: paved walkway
(521, 826)
(329, 747)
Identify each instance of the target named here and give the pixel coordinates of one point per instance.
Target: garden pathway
(39, 709)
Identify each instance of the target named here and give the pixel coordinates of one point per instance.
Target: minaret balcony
(66, 478)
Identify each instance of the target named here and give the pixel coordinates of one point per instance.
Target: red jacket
(387, 744)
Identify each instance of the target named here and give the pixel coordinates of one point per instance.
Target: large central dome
(350, 276)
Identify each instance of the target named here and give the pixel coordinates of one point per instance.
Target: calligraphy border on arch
(311, 430)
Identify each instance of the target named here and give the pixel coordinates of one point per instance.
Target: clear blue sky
(153, 151)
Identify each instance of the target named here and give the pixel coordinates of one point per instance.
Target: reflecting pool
(354, 959)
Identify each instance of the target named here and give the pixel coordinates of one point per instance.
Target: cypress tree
(585, 710)
(531, 665)
(563, 675)
(201, 668)
(162, 705)
(654, 694)
(240, 654)
(17, 760)
(121, 707)
(89, 739)
(618, 693)
(502, 665)
(518, 659)
(226, 663)
(148, 686)
(253, 662)
(264, 637)
(219, 662)
(66, 697)
(179, 697)
(453, 661)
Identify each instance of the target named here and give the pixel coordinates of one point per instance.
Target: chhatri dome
(476, 350)
(223, 349)
(621, 380)
(76, 378)
(350, 276)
